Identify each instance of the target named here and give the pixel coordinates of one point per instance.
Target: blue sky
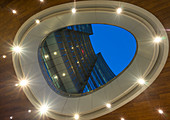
(116, 44)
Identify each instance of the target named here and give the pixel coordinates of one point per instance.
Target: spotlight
(119, 10)
(160, 111)
(43, 109)
(23, 83)
(76, 116)
(141, 81)
(14, 11)
(16, 84)
(4, 56)
(122, 119)
(37, 21)
(55, 77)
(108, 105)
(157, 39)
(16, 49)
(11, 117)
(29, 111)
(55, 53)
(73, 10)
(41, 0)
(46, 56)
(64, 74)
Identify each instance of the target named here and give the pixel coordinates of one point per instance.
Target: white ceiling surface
(141, 66)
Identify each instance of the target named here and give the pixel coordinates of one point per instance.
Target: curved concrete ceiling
(147, 64)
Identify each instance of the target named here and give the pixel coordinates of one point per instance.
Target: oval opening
(79, 59)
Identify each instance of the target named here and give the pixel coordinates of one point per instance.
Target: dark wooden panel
(14, 102)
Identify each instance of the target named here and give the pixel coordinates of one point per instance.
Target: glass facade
(71, 63)
(100, 74)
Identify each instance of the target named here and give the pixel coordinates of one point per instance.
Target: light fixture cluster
(44, 108)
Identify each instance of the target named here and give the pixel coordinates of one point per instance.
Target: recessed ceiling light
(119, 11)
(108, 105)
(41, 0)
(4, 56)
(122, 119)
(157, 39)
(73, 10)
(64, 74)
(76, 116)
(14, 11)
(46, 56)
(141, 81)
(16, 49)
(11, 117)
(55, 53)
(37, 21)
(43, 109)
(55, 77)
(29, 111)
(23, 83)
(160, 111)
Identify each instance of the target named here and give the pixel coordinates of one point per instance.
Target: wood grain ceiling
(13, 101)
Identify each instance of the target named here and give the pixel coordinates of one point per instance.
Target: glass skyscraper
(70, 63)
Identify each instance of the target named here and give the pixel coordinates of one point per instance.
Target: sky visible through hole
(117, 45)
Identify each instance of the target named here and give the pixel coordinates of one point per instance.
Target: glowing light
(160, 111)
(122, 119)
(73, 10)
(76, 116)
(64, 74)
(4, 56)
(37, 21)
(46, 56)
(157, 39)
(14, 11)
(29, 111)
(119, 10)
(55, 53)
(41, 0)
(16, 84)
(141, 81)
(23, 83)
(55, 77)
(77, 62)
(16, 49)
(108, 105)
(11, 117)
(43, 109)
(72, 47)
